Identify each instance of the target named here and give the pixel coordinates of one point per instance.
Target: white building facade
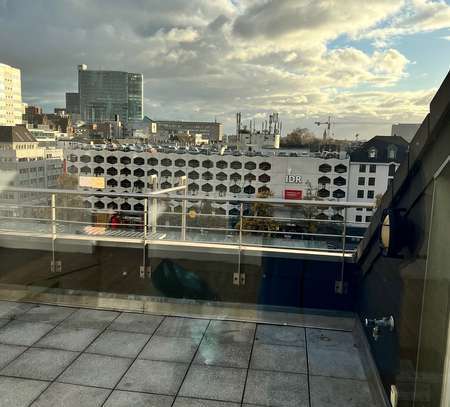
(11, 106)
(215, 176)
(23, 164)
(372, 168)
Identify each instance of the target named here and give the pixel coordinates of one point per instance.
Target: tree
(300, 137)
(260, 214)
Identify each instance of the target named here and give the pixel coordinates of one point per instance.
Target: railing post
(241, 217)
(54, 266)
(184, 216)
(145, 219)
(53, 206)
(154, 204)
(339, 286)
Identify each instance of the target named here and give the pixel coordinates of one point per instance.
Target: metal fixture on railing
(377, 325)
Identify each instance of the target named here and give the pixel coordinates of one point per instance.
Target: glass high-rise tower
(107, 94)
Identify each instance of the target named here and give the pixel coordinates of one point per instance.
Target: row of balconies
(166, 162)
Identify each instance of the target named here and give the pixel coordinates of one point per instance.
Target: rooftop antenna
(238, 126)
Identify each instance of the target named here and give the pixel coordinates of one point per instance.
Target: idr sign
(293, 179)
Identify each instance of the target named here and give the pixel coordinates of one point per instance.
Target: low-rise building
(24, 164)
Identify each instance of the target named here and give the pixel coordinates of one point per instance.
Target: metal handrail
(279, 201)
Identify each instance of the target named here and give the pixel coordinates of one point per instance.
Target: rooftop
(64, 356)
(15, 134)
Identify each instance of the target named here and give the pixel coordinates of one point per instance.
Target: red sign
(293, 194)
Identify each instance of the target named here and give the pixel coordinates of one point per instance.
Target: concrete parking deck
(61, 356)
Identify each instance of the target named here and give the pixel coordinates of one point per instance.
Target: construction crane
(327, 131)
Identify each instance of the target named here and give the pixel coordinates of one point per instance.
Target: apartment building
(372, 168)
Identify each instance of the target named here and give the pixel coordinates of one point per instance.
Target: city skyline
(202, 61)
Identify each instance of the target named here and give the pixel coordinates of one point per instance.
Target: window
(361, 181)
(362, 167)
(360, 193)
(371, 181)
(359, 209)
(370, 194)
(339, 181)
(373, 168)
(358, 218)
(368, 219)
(372, 152)
(391, 170)
(392, 152)
(324, 168)
(340, 168)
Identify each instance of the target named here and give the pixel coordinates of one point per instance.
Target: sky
(365, 63)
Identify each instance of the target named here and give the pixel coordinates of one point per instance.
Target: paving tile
(69, 338)
(183, 327)
(322, 338)
(330, 392)
(46, 313)
(140, 323)
(228, 354)
(280, 335)
(120, 398)
(41, 364)
(229, 331)
(279, 358)
(69, 395)
(23, 333)
(186, 402)
(214, 383)
(95, 370)
(89, 318)
(335, 363)
(170, 349)
(10, 309)
(115, 343)
(154, 377)
(9, 352)
(19, 392)
(276, 389)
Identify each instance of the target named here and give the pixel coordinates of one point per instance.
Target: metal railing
(257, 224)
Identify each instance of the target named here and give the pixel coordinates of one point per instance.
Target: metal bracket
(238, 279)
(341, 287)
(145, 271)
(55, 266)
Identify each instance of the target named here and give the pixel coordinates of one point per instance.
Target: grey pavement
(64, 357)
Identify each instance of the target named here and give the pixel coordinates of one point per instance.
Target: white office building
(11, 106)
(24, 164)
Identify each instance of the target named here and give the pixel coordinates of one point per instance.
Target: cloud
(204, 59)
(416, 16)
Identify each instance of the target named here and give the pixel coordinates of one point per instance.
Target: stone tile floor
(59, 356)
